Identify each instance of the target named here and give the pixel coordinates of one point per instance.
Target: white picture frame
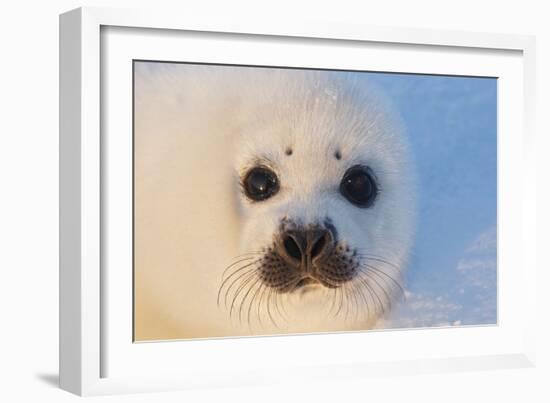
(98, 358)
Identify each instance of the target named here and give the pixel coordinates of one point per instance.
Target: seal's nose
(305, 246)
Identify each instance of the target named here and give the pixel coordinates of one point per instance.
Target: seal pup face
(324, 184)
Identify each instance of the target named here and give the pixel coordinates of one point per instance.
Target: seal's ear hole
(288, 151)
(338, 155)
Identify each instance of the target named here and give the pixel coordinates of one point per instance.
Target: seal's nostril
(303, 247)
(292, 248)
(318, 246)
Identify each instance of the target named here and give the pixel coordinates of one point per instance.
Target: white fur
(198, 129)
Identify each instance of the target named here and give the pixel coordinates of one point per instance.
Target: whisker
(354, 296)
(235, 281)
(349, 301)
(284, 284)
(231, 275)
(341, 301)
(235, 263)
(269, 295)
(240, 289)
(276, 299)
(258, 311)
(380, 259)
(252, 301)
(333, 305)
(382, 273)
(346, 305)
(245, 297)
(360, 290)
(372, 292)
(251, 253)
(335, 291)
(276, 289)
(388, 299)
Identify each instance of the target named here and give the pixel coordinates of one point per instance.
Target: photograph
(325, 202)
(270, 200)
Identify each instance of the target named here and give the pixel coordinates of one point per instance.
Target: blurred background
(452, 129)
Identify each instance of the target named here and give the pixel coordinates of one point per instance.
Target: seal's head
(325, 191)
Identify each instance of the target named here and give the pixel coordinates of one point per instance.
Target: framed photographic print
(243, 201)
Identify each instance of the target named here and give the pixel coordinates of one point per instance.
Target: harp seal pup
(267, 201)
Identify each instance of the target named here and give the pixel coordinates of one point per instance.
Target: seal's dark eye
(260, 183)
(358, 186)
